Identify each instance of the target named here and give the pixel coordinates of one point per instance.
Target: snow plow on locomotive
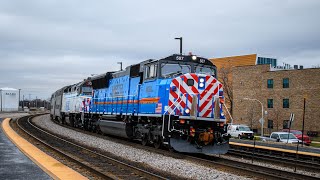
(175, 102)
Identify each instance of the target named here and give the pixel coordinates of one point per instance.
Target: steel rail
(253, 169)
(276, 159)
(139, 171)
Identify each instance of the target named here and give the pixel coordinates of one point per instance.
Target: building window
(262, 60)
(270, 83)
(270, 103)
(285, 83)
(270, 124)
(285, 103)
(285, 124)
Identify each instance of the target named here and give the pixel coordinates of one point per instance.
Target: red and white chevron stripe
(182, 97)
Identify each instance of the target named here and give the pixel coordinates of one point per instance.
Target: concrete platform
(22, 160)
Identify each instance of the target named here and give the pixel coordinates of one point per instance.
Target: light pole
(19, 99)
(1, 98)
(180, 38)
(120, 65)
(262, 121)
(22, 102)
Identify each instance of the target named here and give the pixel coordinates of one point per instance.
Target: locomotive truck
(174, 102)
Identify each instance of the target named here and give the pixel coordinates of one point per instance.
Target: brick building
(224, 67)
(281, 92)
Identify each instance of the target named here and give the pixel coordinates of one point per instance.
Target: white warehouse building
(9, 99)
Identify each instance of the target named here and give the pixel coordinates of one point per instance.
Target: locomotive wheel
(157, 143)
(144, 140)
(71, 119)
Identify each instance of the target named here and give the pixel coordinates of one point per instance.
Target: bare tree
(250, 109)
(224, 76)
(277, 117)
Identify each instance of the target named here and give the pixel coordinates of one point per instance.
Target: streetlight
(262, 121)
(120, 65)
(19, 99)
(1, 98)
(180, 38)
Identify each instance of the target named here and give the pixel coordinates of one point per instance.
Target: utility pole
(120, 65)
(262, 120)
(304, 113)
(36, 101)
(19, 99)
(22, 102)
(1, 98)
(180, 38)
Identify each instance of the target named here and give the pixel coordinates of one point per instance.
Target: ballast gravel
(179, 167)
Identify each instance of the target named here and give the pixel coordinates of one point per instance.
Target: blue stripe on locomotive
(125, 95)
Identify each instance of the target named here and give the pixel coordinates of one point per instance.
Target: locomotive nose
(194, 95)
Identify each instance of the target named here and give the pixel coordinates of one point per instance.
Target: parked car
(282, 137)
(240, 131)
(298, 134)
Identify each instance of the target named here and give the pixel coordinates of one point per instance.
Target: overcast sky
(45, 45)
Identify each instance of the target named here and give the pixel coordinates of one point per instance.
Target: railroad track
(252, 169)
(243, 168)
(101, 165)
(288, 162)
(249, 146)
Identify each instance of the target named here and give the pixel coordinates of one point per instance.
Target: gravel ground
(183, 168)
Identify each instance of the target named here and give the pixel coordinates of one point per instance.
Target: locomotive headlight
(201, 82)
(194, 58)
(187, 111)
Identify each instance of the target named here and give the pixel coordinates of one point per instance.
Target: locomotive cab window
(208, 70)
(150, 71)
(170, 70)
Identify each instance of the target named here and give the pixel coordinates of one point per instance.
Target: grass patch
(315, 138)
(315, 145)
(257, 138)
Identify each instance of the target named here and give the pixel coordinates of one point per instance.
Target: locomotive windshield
(208, 70)
(174, 69)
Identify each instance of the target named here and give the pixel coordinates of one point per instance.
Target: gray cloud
(47, 44)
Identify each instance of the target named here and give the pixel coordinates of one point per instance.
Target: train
(174, 102)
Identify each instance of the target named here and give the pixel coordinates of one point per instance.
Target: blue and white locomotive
(175, 101)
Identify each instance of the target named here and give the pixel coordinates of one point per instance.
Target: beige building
(281, 93)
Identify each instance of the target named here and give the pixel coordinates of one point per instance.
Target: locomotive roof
(188, 58)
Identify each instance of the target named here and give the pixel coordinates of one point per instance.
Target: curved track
(247, 169)
(101, 165)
